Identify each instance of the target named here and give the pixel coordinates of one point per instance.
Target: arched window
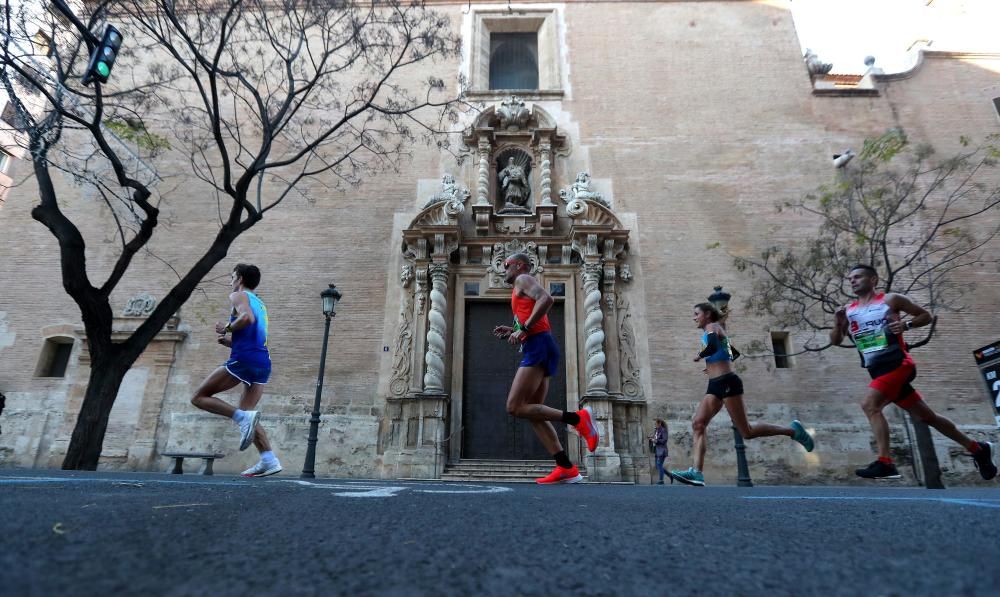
(55, 357)
(514, 61)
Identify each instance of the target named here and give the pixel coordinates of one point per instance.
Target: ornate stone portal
(452, 256)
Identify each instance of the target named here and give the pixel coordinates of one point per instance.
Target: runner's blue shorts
(541, 350)
(248, 373)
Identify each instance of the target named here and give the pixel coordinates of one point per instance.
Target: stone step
(500, 471)
(486, 478)
(537, 472)
(531, 475)
(532, 464)
(494, 467)
(490, 479)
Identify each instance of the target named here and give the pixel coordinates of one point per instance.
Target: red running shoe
(561, 475)
(587, 429)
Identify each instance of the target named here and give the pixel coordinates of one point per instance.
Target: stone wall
(690, 125)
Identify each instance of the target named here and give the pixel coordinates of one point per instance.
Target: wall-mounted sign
(988, 361)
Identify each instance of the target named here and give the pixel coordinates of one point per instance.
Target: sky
(845, 31)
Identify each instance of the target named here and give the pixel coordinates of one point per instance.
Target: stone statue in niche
(513, 114)
(514, 186)
(581, 191)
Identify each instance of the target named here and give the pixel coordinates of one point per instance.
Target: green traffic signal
(103, 57)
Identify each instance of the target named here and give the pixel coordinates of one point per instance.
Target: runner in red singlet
(531, 303)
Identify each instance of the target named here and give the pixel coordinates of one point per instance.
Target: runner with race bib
(875, 323)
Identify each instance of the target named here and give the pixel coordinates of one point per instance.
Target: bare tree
(916, 219)
(258, 95)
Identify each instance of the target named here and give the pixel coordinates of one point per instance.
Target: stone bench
(179, 457)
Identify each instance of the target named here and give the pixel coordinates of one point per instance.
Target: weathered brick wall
(695, 117)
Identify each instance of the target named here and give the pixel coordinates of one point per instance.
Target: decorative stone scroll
(513, 114)
(403, 345)
(140, 305)
(503, 250)
(580, 191)
(451, 195)
(628, 359)
(517, 227)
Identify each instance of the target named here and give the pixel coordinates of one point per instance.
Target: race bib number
(871, 341)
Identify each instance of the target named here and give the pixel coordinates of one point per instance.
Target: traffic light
(103, 57)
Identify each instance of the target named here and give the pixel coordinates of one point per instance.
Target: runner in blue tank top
(725, 388)
(249, 363)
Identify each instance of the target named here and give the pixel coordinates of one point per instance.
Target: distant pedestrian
(659, 440)
(249, 363)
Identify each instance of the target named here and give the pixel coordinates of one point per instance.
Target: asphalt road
(152, 534)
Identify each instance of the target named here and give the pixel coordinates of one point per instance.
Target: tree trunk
(106, 377)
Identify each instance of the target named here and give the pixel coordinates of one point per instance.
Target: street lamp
(721, 301)
(330, 297)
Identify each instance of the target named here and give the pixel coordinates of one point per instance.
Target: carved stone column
(483, 183)
(437, 330)
(545, 149)
(546, 209)
(482, 208)
(611, 340)
(593, 326)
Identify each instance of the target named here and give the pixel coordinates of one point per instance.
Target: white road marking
(979, 502)
(363, 489)
(119, 482)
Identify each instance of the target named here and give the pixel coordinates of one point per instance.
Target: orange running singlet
(522, 307)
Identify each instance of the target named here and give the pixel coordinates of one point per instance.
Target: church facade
(631, 150)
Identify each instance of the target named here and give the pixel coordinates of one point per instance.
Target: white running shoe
(248, 428)
(262, 469)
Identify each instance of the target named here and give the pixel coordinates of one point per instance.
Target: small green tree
(915, 218)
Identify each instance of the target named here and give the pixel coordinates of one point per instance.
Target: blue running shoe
(802, 436)
(689, 477)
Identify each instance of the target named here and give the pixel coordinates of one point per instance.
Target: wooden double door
(489, 368)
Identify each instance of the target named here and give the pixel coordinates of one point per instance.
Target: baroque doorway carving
(452, 253)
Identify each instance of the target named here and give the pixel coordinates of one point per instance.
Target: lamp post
(721, 301)
(330, 297)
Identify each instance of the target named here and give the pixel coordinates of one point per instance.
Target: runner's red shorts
(895, 383)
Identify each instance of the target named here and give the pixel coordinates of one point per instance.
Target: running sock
(570, 418)
(562, 459)
(974, 447)
(238, 415)
(268, 457)
(885, 460)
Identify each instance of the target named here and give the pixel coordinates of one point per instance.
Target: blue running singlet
(250, 343)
